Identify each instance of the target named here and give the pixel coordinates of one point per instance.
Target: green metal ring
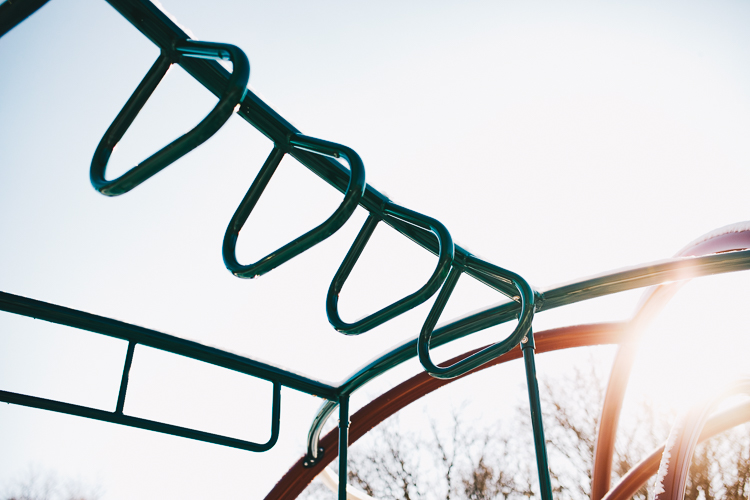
(352, 196)
(445, 261)
(525, 298)
(181, 146)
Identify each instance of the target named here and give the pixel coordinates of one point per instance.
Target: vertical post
(125, 377)
(343, 443)
(545, 485)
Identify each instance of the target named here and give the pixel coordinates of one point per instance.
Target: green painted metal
(343, 445)
(199, 60)
(120, 330)
(537, 425)
(152, 425)
(352, 196)
(14, 12)
(525, 300)
(229, 100)
(125, 377)
(605, 284)
(445, 261)
(168, 343)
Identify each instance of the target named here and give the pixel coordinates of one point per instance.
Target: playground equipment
(725, 250)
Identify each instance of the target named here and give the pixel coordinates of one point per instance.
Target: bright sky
(554, 140)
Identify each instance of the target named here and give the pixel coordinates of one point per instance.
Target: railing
(198, 58)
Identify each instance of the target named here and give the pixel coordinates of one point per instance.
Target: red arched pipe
(636, 477)
(298, 477)
(654, 300)
(725, 239)
(683, 438)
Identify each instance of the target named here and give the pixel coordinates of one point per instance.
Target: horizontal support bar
(151, 425)
(169, 343)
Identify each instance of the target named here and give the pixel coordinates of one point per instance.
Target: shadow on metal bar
(352, 196)
(230, 99)
(445, 261)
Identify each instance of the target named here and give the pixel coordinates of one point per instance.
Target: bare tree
(464, 462)
(36, 484)
(451, 463)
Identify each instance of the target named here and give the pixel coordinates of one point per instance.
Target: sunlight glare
(696, 346)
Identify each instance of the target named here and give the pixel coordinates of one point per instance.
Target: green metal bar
(155, 25)
(152, 425)
(337, 283)
(537, 424)
(132, 333)
(229, 246)
(125, 377)
(314, 452)
(604, 284)
(343, 445)
(13, 12)
(162, 31)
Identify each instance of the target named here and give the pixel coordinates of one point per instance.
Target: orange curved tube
(683, 438)
(636, 477)
(726, 239)
(298, 476)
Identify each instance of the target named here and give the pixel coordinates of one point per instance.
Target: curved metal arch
(163, 32)
(682, 440)
(382, 407)
(637, 476)
(670, 270)
(717, 242)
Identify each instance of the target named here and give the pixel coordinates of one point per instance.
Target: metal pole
(343, 443)
(125, 377)
(545, 485)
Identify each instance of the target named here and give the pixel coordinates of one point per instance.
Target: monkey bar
(724, 251)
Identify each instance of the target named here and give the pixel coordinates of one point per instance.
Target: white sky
(558, 141)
